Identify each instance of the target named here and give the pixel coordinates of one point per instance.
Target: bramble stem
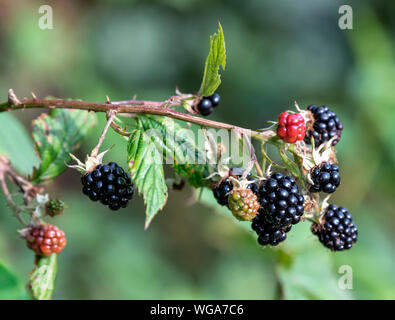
(10, 202)
(127, 106)
(28, 190)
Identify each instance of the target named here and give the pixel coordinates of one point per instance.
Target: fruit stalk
(110, 117)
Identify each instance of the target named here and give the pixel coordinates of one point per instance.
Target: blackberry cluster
(207, 104)
(46, 239)
(110, 184)
(326, 125)
(268, 233)
(326, 178)
(222, 191)
(281, 201)
(337, 230)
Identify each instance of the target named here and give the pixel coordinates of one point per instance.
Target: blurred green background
(277, 52)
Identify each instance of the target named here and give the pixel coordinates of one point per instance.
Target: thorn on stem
(12, 98)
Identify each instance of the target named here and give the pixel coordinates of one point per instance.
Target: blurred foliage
(277, 52)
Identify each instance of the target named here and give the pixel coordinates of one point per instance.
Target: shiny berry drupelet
(205, 106)
(46, 239)
(336, 230)
(326, 125)
(281, 201)
(268, 233)
(326, 178)
(215, 99)
(291, 127)
(109, 184)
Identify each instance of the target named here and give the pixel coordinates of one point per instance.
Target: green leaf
(42, 278)
(145, 163)
(10, 286)
(291, 166)
(160, 140)
(179, 148)
(55, 135)
(15, 138)
(215, 59)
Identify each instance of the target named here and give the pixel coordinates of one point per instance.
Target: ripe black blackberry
(326, 125)
(326, 178)
(268, 233)
(280, 199)
(222, 191)
(205, 106)
(110, 184)
(215, 99)
(336, 230)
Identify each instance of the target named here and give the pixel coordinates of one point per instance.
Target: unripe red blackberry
(326, 178)
(336, 230)
(326, 125)
(45, 239)
(109, 184)
(268, 233)
(243, 203)
(291, 127)
(280, 198)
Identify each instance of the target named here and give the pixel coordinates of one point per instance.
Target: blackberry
(221, 191)
(268, 233)
(326, 178)
(325, 126)
(336, 230)
(205, 106)
(281, 201)
(54, 207)
(253, 187)
(215, 99)
(109, 184)
(45, 239)
(243, 203)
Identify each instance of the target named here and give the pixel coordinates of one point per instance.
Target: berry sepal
(90, 163)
